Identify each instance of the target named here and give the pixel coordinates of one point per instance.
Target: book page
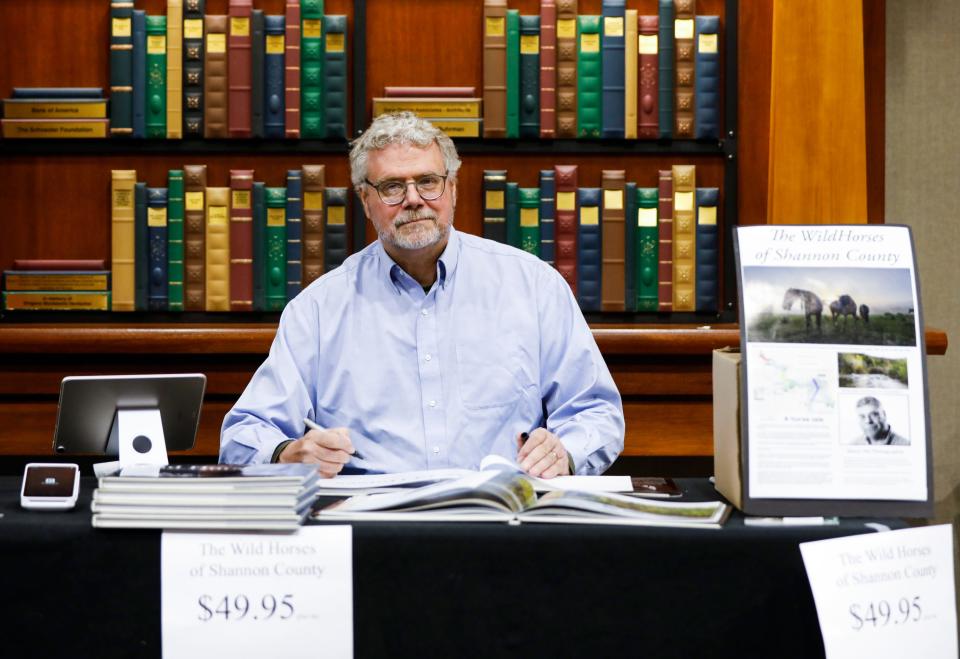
(835, 382)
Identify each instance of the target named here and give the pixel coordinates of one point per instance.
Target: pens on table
(316, 426)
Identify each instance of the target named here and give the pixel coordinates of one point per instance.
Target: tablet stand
(136, 435)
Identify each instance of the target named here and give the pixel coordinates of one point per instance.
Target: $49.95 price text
(240, 607)
(882, 613)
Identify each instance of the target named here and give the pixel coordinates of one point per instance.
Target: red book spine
(565, 224)
(239, 69)
(665, 228)
(241, 240)
(648, 111)
(548, 69)
(60, 264)
(292, 74)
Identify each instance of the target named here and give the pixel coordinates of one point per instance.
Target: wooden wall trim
(246, 339)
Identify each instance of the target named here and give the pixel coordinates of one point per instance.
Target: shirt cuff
(277, 451)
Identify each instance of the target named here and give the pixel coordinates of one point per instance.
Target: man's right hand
(328, 449)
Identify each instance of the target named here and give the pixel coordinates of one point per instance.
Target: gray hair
(399, 128)
(869, 400)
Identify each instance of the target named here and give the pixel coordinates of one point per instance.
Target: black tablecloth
(441, 589)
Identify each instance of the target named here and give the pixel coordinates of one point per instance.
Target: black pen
(316, 426)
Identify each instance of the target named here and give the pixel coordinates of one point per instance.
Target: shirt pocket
(489, 376)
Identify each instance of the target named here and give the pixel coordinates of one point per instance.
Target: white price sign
(257, 595)
(885, 595)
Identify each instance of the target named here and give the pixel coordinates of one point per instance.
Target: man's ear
(362, 193)
(453, 193)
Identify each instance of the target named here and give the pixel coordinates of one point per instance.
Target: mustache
(407, 217)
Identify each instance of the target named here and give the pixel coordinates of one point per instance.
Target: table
(449, 590)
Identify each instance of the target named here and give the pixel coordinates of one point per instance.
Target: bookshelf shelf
(93, 147)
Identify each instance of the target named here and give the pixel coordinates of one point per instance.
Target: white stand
(137, 437)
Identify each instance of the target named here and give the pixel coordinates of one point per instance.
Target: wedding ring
(554, 454)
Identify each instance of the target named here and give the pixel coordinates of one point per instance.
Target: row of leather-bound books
(620, 246)
(246, 246)
(237, 75)
(617, 75)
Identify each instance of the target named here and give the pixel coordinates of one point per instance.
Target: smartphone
(50, 486)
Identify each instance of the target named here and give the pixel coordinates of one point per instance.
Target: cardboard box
(727, 471)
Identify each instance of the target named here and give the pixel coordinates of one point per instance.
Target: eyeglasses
(392, 191)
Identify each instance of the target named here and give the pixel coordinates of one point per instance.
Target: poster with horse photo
(833, 396)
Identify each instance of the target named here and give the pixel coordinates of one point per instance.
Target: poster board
(833, 393)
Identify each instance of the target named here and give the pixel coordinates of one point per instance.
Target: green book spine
(175, 240)
(589, 78)
(313, 123)
(530, 77)
(513, 214)
(530, 220)
(335, 74)
(156, 105)
(275, 266)
(513, 73)
(647, 238)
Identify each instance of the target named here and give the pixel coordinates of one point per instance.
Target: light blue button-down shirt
(436, 379)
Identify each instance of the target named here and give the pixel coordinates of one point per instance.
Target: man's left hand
(543, 455)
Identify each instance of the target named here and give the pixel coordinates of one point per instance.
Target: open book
(507, 495)
(372, 483)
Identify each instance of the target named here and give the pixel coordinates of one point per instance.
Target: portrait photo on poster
(870, 419)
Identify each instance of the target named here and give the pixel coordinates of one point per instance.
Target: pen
(316, 426)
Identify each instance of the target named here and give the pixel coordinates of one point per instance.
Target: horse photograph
(858, 306)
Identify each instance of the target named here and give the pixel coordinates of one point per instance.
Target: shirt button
(428, 357)
(432, 403)
(423, 312)
(436, 449)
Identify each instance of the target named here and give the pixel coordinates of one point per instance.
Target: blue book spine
(588, 249)
(274, 107)
(629, 245)
(259, 246)
(548, 193)
(495, 204)
(613, 76)
(257, 69)
(121, 69)
(157, 247)
(335, 75)
(707, 77)
(139, 73)
(707, 260)
(665, 72)
(141, 263)
(530, 77)
(335, 242)
(294, 233)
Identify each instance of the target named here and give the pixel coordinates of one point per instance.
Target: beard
(415, 230)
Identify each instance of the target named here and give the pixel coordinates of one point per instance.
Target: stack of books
(57, 285)
(60, 112)
(270, 497)
(456, 111)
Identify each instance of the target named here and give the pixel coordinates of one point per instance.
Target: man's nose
(411, 197)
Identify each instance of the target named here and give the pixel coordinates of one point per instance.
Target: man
(873, 424)
(429, 348)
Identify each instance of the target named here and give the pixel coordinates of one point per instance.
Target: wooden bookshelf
(663, 373)
(57, 203)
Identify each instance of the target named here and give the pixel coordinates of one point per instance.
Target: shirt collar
(446, 264)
